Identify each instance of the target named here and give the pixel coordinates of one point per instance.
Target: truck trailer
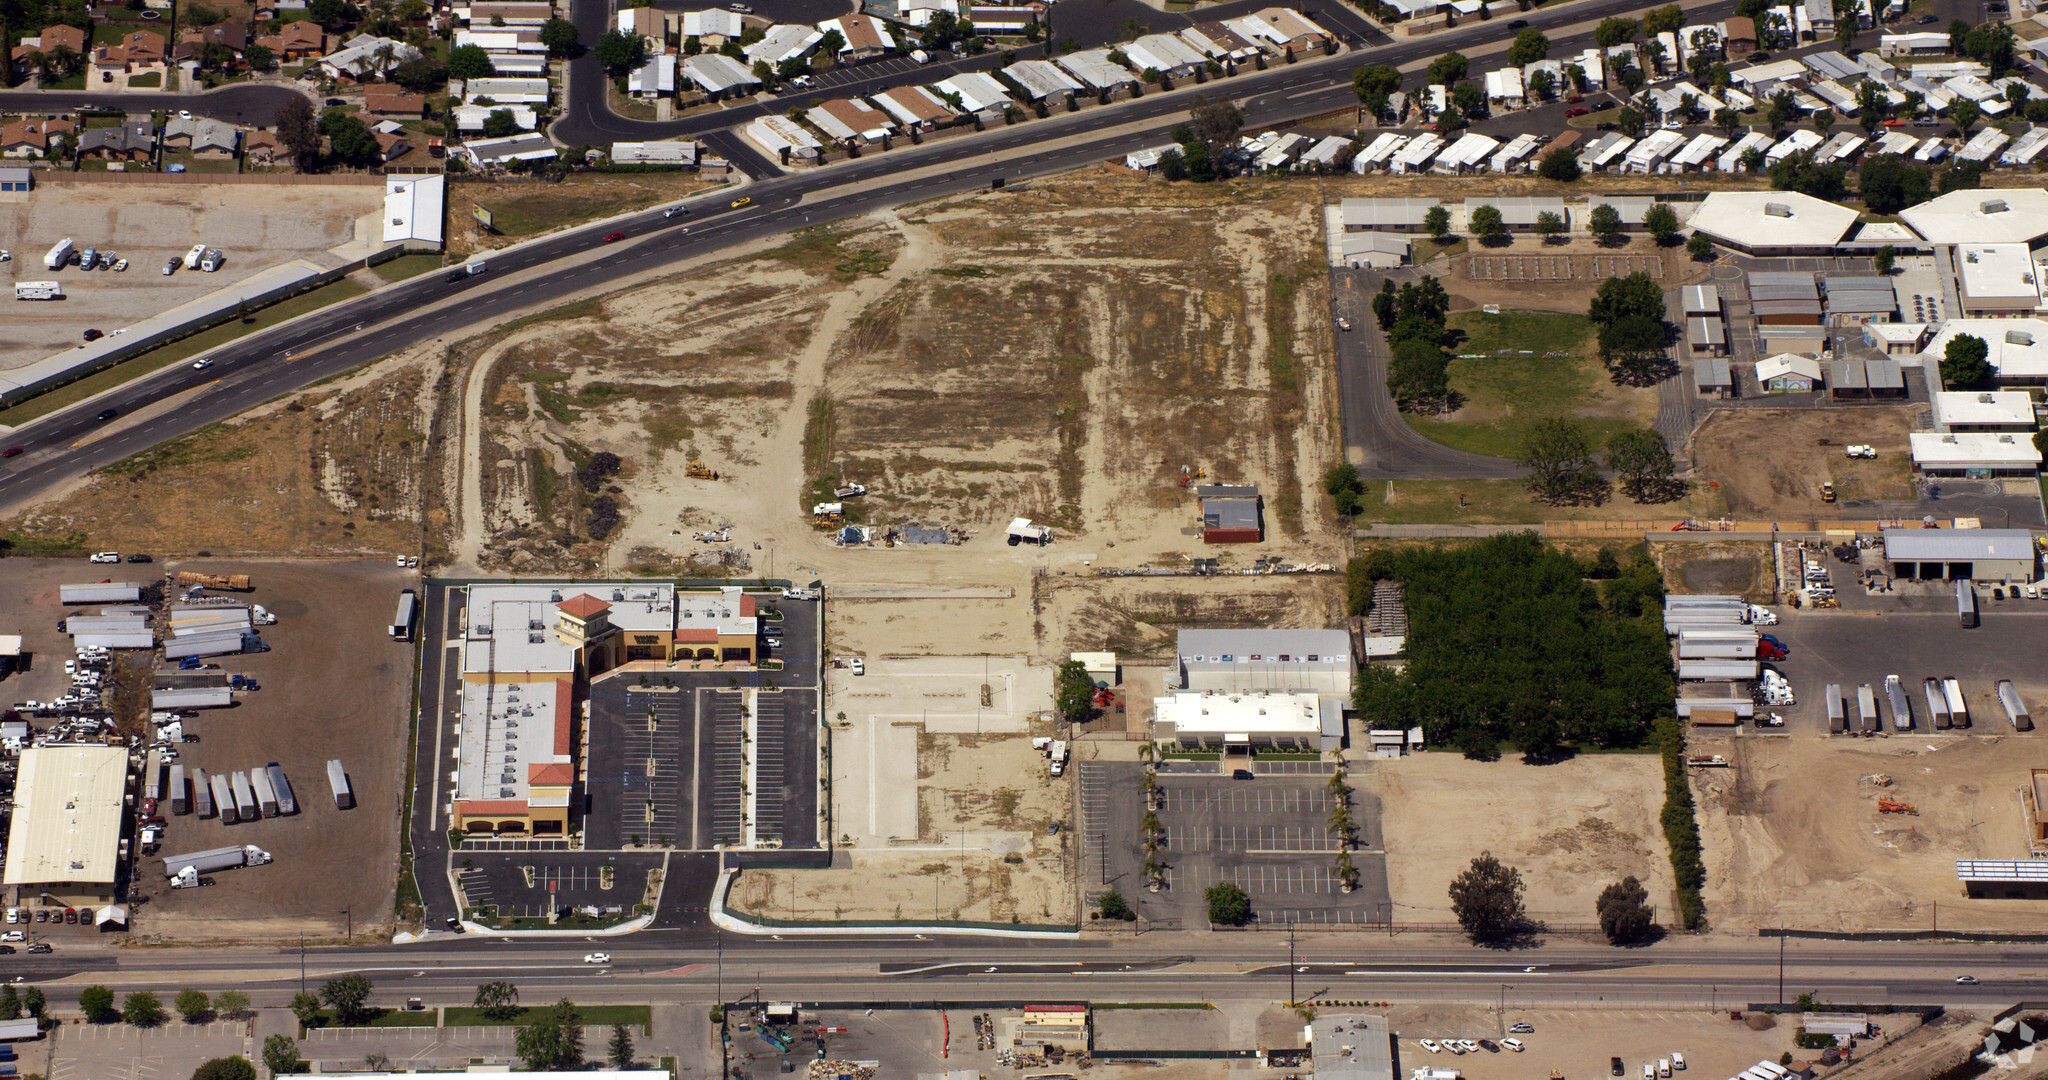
(282, 788)
(104, 592)
(402, 619)
(1837, 721)
(1958, 707)
(1902, 707)
(266, 795)
(153, 777)
(245, 796)
(337, 778)
(220, 858)
(1867, 720)
(59, 254)
(223, 799)
(1966, 603)
(181, 799)
(2015, 709)
(1937, 705)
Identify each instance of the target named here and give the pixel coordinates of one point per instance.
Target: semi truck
(337, 778)
(282, 788)
(245, 796)
(1937, 705)
(1958, 707)
(1902, 707)
(38, 290)
(266, 797)
(2015, 709)
(402, 620)
(220, 858)
(202, 793)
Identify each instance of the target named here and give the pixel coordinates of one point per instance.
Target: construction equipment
(1827, 492)
(1888, 805)
(1189, 474)
(1878, 779)
(831, 513)
(232, 582)
(699, 471)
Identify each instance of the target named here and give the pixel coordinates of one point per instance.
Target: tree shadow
(1496, 240)
(1651, 936)
(1664, 490)
(1525, 934)
(1555, 755)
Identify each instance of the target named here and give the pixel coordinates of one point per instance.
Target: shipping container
(1958, 707)
(408, 610)
(286, 804)
(1966, 603)
(337, 778)
(266, 799)
(1837, 723)
(224, 800)
(1867, 720)
(181, 800)
(2015, 709)
(153, 777)
(1937, 705)
(245, 797)
(1902, 707)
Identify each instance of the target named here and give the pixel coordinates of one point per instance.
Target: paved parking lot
(524, 884)
(1852, 647)
(120, 1052)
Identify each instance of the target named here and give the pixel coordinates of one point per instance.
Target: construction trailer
(245, 797)
(1867, 720)
(1937, 705)
(2015, 709)
(224, 800)
(266, 797)
(181, 800)
(1902, 707)
(282, 788)
(1958, 706)
(1837, 719)
(337, 778)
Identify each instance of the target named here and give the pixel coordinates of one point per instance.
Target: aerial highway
(65, 445)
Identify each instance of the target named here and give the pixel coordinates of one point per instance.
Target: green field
(406, 266)
(1506, 394)
(632, 1015)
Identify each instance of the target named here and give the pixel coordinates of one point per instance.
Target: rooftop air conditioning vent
(1994, 206)
(1950, 439)
(618, 595)
(1985, 398)
(536, 639)
(535, 624)
(1777, 210)
(2019, 337)
(555, 596)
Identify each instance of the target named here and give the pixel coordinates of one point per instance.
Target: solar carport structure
(1949, 554)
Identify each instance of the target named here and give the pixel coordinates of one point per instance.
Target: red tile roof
(697, 633)
(746, 606)
(553, 774)
(476, 807)
(583, 606)
(565, 719)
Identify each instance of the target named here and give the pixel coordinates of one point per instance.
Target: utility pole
(1781, 965)
(302, 962)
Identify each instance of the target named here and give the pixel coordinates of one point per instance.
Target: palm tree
(69, 61)
(1347, 874)
(1148, 751)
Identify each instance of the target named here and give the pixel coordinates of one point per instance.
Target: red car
(1580, 111)
(610, 237)
(10, 451)
(1575, 99)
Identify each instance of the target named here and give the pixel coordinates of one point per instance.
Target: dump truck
(233, 582)
(1902, 708)
(1937, 705)
(282, 788)
(1022, 531)
(1958, 706)
(220, 858)
(2015, 709)
(337, 778)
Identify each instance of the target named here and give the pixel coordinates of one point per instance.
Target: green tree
(1560, 462)
(1848, 16)
(1346, 490)
(1624, 910)
(499, 123)
(307, 1008)
(1641, 460)
(1487, 899)
(1438, 221)
(10, 1003)
(1228, 904)
(1375, 84)
(297, 131)
(259, 57)
(620, 52)
(281, 1055)
(1633, 348)
(1560, 165)
(1889, 183)
(1605, 222)
(350, 140)
(1112, 905)
(498, 1000)
(1076, 693)
(332, 14)
(1823, 119)
(1662, 221)
(32, 1001)
(466, 62)
(1699, 246)
(142, 1009)
(235, 1067)
(559, 35)
(1486, 224)
(1543, 84)
(621, 1050)
(1447, 69)
(1664, 20)
(1886, 258)
(1635, 294)
(1728, 120)
(1965, 113)
(1629, 121)
(552, 1040)
(97, 1003)
(193, 1005)
(232, 1004)
(1468, 99)
(1549, 224)
(1614, 31)
(349, 997)
(1781, 109)
(1965, 364)
(1529, 46)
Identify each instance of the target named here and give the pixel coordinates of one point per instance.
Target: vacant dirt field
(1805, 448)
(1794, 839)
(1140, 616)
(1744, 569)
(1572, 829)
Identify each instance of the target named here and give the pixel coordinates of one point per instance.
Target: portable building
(106, 592)
(1867, 720)
(266, 798)
(1937, 705)
(1958, 707)
(2015, 709)
(181, 799)
(282, 787)
(1902, 706)
(337, 778)
(223, 799)
(1837, 722)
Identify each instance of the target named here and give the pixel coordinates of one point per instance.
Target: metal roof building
(1355, 1047)
(1980, 554)
(1520, 211)
(1386, 215)
(2004, 879)
(63, 844)
(1314, 661)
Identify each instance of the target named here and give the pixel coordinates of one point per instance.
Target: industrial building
(1993, 555)
(63, 845)
(1312, 661)
(1257, 719)
(1231, 514)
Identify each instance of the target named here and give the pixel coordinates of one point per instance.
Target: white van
(1512, 1044)
(1678, 1060)
(1663, 1066)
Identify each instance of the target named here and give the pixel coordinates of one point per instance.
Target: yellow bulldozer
(699, 471)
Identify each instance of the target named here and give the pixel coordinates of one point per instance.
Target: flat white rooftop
(512, 627)
(2002, 274)
(1256, 713)
(1974, 449)
(2006, 408)
(1982, 216)
(2018, 348)
(1772, 219)
(67, 815)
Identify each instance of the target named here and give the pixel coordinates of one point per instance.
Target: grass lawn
(1505, 395)
(634, 1015)
(193, 163)
(1425, 249)
(68, 82)
(182, 349)
(149, 80)
(406, 266)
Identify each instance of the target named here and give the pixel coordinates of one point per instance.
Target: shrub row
(1681, 828)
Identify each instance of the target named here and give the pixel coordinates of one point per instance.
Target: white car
(1512, 1044)
(1469, 1046)
(597, 958)
(120, 266)
(1429, 1045)
(106, 556)
(201, 365)
(859, 666)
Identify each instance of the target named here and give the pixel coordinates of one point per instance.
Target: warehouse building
(63, 845)
(1351, 1046)
(1947, 554)
(1310, 661)
(1386, 215)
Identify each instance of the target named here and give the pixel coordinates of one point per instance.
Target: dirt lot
(1578, 1043)
(1140, 616)
(1793, 838)
(1743, 569)
(257, 226)
(1807, 448)
(330, 634)
(1572, 829)
(1474, 272)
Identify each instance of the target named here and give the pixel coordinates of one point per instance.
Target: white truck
(799, 594)
(1022, 531)
(59, 255)
(1056, 757)
(38, 290)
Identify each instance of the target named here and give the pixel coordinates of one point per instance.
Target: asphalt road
(244, 103)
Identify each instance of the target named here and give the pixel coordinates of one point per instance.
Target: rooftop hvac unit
(483, 630)
(618, 596)
(1777, 210)
(1985, 398)
(2018, 337)
(537, 639)
(535, 624)
(555, 596)
(1969, 256)
(1993, 206)
(508, 793)
(2006, 439)
(1950, 439)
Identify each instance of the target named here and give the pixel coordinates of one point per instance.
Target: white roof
(1381, 148)
(1731, 158)
(655, 153)
(1041, 78)
(899, 102)
(2018, 348)
(2026, 148)
(2010, 408)
(1702, 147)
(1797, 141)
(499, 41)
(506, 729)
(1885, 232)
(1504, 84)
(776, 133)
(1654, 148)
(507, 91)
(656, 76)
(529, 65)
(1986, 215)
(1417, 152)
(67, 815)
(1998, 272)
(716, 22)
(357, 56)
(1913, 41)
(978, 90)
(1518, 148)
(528, 147)
(785, 41)
(1325, 152)
(472, 117)
(1772, 219)
(1981, 449)
(715, 74)
(1896, 142)
(1094, 68)
(1470, 149)
(1218, 713)
(1983, 145)
(413, 205)
(1162, 51)
(1787, 364)
(500, 621)
(1775, 72)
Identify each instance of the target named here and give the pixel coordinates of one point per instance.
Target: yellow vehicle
(1827, 492)
(741, 201)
